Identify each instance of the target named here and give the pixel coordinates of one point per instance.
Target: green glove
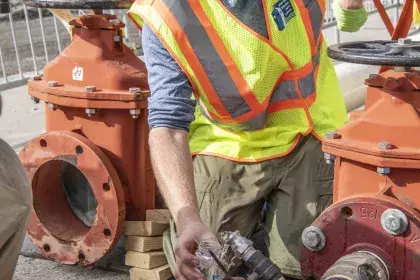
(349, 20)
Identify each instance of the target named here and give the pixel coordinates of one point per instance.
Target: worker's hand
(186, 261)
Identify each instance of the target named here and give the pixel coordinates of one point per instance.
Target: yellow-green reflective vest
(256, 95)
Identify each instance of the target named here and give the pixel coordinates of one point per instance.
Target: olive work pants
(231, 196)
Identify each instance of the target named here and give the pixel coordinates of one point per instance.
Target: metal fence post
(15, 45)
(56, 33)
(30, 39)
(2, 66)
(43, 34)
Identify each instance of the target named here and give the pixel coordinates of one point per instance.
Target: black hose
(4, 7)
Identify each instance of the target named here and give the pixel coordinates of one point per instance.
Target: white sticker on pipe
(77, 73)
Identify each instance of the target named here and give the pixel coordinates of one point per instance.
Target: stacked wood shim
(144, 246)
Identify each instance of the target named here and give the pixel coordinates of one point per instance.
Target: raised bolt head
(332, 135)
(90, 112)
(404, 41)
(37, 78)
(134, 90)
(52, 83)
(90, 88)
(385, 145)
(114, 21)
(313, 238)
(383, 170)
(394, 221)
(52, 106)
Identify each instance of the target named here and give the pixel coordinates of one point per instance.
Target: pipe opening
(63, 200)
(361, 265)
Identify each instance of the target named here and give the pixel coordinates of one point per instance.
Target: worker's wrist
(186, 217)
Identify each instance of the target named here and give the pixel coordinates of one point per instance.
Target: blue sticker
(282, 13)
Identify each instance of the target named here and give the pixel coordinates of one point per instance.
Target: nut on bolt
(383, 170)
(404, 41)
(135, 113)
(134, 90)
(90, 112)
(114, 21)
(332, 135)
(53, 84)
(90, 88)
(52, 106)
(313, 238)
(394, 221)
(384, 145)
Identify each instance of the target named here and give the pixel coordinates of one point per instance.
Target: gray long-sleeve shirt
(170, 104)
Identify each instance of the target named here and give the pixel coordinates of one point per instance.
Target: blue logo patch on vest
(282, 13)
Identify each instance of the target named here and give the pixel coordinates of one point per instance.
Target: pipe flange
(394, 221)
(313, 238)
(54, 227)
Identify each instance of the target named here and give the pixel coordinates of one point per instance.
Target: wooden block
(158, 215)
(143, 244)
(159, 273)
(145, 228)
(145, 260)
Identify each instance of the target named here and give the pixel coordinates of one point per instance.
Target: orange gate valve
(95, 146)
(372, 229)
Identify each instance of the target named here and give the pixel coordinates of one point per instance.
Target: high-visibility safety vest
(256, 95)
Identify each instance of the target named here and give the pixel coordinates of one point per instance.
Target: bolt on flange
(135, 113)
(90, 112)
(394, 221)
(384, 145)
(383, 170)
(90, 88)
(313, 238)
(53, 84)
(114, 21)
(52, 106)
(36, 78)
(332, 135)
(329, 159)
(134, 90)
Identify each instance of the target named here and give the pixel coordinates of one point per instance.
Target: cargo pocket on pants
(203, 188)
(324, 190)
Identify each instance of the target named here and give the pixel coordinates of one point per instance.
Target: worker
(15, 205)
(264, 95)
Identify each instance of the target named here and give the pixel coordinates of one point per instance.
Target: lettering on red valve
(416, 238)
(368, 213)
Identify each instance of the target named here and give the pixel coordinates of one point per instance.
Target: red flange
(53, 227)
(355, 225)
